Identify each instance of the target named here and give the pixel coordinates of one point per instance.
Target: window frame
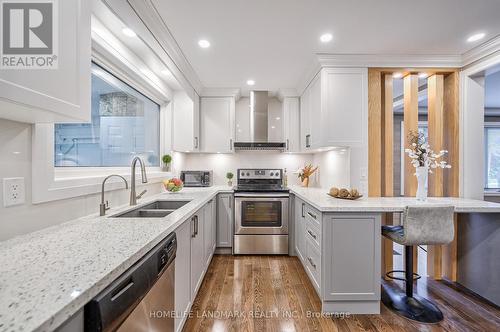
(485, 180)
(62, 171)
(52, 183)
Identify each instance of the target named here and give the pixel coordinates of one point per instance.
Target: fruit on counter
(173, 185)
(354, 192)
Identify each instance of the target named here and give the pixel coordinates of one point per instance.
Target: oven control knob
(271, 174)
(248, 174)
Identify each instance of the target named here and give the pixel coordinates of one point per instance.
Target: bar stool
(422, 225)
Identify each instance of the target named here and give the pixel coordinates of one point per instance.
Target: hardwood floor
(273, 293)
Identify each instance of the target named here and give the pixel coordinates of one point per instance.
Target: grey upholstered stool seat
(422, 225)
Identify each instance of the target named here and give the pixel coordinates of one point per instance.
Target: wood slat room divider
(443, 124)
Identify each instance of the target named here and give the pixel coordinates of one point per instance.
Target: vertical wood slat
(410, 117)
(451, 176)
(387, 163)
(435, 109)
(374, 133)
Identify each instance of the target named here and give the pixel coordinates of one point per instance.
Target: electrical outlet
(13, 191)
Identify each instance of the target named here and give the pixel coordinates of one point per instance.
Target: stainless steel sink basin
(156, 209)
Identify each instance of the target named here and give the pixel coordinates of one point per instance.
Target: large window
(492, 155)
(124, 124)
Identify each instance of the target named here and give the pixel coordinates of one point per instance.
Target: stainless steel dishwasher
(141, 299)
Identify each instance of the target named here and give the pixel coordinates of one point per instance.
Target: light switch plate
(13, 191)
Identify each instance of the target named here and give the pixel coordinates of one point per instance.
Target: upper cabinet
(291, 123)
(334, 109)
(217, 124)
(186, 122)
(46, 77)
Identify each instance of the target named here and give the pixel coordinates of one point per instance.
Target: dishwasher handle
(108, 309)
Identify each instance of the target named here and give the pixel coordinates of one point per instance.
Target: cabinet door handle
(312, 234)
(312, 215)
(196, 223)
(308, 143)
(303, 207)
(196, 142)
(230, 144)
(193, 235)
(287, 144)
(311, 262)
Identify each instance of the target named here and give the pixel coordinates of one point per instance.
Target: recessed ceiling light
(325, 38)
(250, 82)
(423, 75)
(278, 118)
(476, 37)
(397, 75)
(203, 43)
(129, 32)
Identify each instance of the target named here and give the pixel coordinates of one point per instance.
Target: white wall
(15, 161)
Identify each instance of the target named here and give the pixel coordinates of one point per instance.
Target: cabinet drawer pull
(311, 262)
(193, 235)
(312, 234)
(303, 207)
(312, 215)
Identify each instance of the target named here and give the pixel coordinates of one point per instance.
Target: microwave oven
(197, 178)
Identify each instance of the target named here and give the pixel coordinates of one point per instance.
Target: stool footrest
(389, 275)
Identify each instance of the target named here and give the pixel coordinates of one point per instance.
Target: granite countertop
(48, 275)
(318, 198)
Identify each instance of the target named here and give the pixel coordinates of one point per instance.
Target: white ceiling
(273, 42)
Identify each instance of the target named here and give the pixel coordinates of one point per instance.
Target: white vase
(422, 174)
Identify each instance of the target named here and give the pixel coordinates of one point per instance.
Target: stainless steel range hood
(259, 124)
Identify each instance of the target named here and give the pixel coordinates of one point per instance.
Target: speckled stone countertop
(318, 198)
(47, 276)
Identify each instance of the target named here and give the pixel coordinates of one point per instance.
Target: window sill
(492, 193)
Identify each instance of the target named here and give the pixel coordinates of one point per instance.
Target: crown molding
(284, 93)
(221, 92)
(389, 60)
(484, 50)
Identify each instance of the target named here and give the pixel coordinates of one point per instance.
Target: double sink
(156, 209)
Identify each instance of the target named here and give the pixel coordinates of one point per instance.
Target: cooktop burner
(260, 180)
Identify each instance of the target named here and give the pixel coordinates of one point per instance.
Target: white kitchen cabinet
(345, 106)
(351, 271)
(217, 124)
(186, 122)
(316, 125)
(209, 230)
(334, 109)
(291, 123)
(304, 120)
(59, 94)
(182, 269)
(300, 220)
(197, 251)
(225, 217)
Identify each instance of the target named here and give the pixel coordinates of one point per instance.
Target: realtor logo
(29, 34)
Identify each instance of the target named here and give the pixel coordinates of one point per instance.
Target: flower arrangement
(424, 159)
(305, 172)
(422, 155)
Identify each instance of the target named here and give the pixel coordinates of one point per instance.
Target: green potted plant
(229, 177)
(167, 160)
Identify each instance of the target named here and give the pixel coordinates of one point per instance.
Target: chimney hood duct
(259, 124)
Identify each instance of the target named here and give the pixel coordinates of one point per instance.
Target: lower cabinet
(340, 253)
(195, 248)
(225, 216)
(300, 236)
(182, 300)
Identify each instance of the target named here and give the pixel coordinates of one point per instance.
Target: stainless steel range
(261, 212)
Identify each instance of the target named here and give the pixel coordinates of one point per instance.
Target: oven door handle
(263, 195)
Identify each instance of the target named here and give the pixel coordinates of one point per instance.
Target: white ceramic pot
(422, 174)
